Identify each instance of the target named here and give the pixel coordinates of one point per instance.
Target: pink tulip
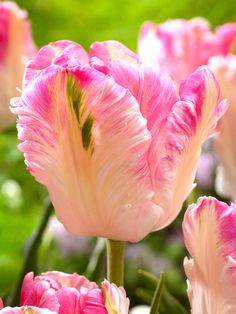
(16, 46)
(209, 229)
(111, 140)
(225, 70)
(25, 310)
(180, 46)
(72, 294)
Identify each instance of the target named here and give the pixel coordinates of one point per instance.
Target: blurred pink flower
(209, 229)
(114, 144)
(224, 68)
(72, 294)
(180, 46)
(16, 46)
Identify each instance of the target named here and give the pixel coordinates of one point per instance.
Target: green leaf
(156, 300)
(148, 277)
(170, 304)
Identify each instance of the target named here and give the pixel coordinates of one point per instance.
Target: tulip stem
(115, 261)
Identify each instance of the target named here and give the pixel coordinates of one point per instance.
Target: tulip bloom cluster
(180, 46)
(16, 47)
(115, 145)
(57, 292)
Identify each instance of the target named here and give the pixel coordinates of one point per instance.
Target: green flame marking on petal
(86, 132)
(75, 98)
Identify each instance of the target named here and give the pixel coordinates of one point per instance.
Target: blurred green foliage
(21, 198)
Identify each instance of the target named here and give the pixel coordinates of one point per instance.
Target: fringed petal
(191, 122)
(64, 53)
(209, 229)
(112, 50)
(83, 136)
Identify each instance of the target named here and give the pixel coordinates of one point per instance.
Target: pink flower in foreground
(209, 229)
(114, 144)
(225, 70)
(180, 46)
(16, 46)
(25, 310)
(72, 294)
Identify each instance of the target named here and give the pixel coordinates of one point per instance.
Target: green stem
(115, 261)
(30, 254)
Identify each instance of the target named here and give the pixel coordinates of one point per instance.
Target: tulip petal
(93, 301)
(209, 229)
(70, 280)
(40, 293)
(191, 121)
(111, 50)
(149, 45)
(69, 299)
(224, 69)
(64, 53)
(227, 37)
(116, 301)
(156, 96)
(74, 126)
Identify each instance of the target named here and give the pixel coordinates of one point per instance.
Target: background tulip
(180, 46)
(209, 229)
(114, 144)
(224, 69)
(16, 46)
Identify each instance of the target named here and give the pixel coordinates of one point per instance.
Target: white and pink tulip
(115, 145)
